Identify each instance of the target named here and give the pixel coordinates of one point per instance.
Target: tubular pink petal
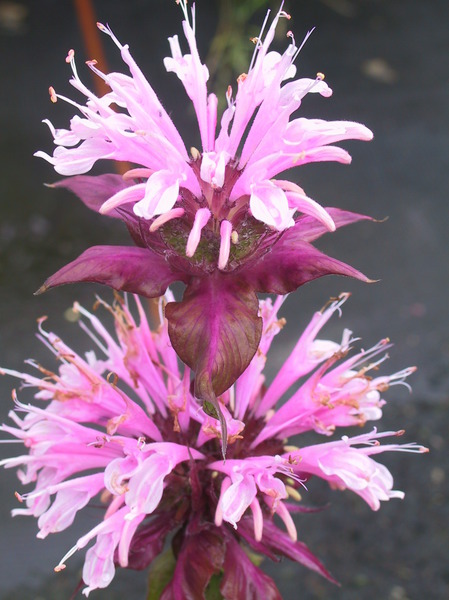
(161, 193)
(268, 203)
(128, 532)
(282, 511)
(237, 498)
(213, 167)
(225, 484)
(212, 104)
(257, 519)
(308, 133)
(193, 75)
(254, 87)
(346, 466)
(146, 486)
(151, 101)
(137, 174)
(202, 216)
(78, 160)
(99, 568)
(134, 193)
(298, 199)
(225, 243)
(63, 137)
(69, 500)
(308, 206)
(174, 213)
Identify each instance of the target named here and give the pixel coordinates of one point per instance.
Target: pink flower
(345, 466)
(123, 429)
(216, 218)
(219, 177)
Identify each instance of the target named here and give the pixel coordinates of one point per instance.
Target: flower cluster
(216, 218)
(125, 427)
(141, 422)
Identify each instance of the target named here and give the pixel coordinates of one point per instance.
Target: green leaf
(161, 573)
(255, 558)
(213, 589)
(210, 409)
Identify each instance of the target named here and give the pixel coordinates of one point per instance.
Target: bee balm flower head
(218, 219)
(124, 430)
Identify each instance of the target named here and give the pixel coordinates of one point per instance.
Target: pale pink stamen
(92, 66)
(282, 511)
(201, 218)
(225, 243)
(219, 511)
(257, 518)
(137, 174)
(174, 213)
(131, 194)
(212, 104)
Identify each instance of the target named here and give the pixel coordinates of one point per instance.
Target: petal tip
(369, 135)
(330, 224)
(44, 287)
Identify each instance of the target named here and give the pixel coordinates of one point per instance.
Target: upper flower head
(125, 428)
(232, 176)
(214, 218)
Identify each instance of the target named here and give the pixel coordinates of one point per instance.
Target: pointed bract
(242, 580)
(216, 331)
(122, 268)
(94, 190)
(201, 557)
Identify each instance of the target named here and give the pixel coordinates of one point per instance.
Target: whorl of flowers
(121, 424)
(215, 218)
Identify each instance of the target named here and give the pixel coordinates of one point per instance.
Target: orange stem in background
(94, 50)
(91, 37)
(87, 21)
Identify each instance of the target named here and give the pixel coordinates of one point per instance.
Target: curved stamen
(174, 213)
(201, 218)
(225, 243)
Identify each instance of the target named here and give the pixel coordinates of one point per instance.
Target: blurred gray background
(388, 64)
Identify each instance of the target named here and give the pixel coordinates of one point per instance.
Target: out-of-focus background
(388, 64)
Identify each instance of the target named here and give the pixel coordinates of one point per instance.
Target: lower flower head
(125, 428)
